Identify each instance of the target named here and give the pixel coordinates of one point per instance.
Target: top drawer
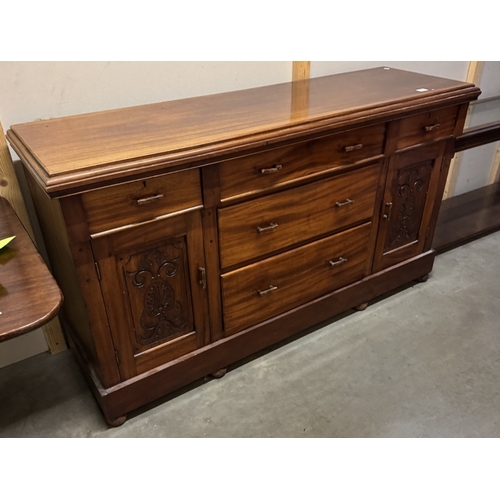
(264, 171)
(142, 200)
(427, 127)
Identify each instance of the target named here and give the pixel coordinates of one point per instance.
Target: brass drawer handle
(354, 147)
(337, 262)
(272, 170)
(202, 275)
(431, 128)
(149, 199)
(272, 225)
(267, 290)
(348, 201)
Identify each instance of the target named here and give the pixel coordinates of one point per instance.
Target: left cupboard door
(153, 281)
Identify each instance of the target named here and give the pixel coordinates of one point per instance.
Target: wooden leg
(362, 306)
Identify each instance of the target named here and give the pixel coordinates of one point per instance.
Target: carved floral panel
(157, 285)
(410, 188)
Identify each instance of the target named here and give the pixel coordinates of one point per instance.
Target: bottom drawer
(262, 290)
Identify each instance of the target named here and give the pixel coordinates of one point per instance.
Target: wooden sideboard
(187, 235)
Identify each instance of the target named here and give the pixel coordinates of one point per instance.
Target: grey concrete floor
(422, 362)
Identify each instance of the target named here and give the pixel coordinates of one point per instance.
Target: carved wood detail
(410, 189)
(157, 292)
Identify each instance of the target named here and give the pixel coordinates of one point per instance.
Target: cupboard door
(411, 188)
(153, 284)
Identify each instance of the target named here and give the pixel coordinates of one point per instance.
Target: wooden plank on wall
(11, 191)
(301, 70)
(473, 76)
(300, 90)
(495, 168)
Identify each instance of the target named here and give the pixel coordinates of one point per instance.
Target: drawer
(279, 166)
(427, 127)
(258, 227)
(260, 291)
(142, 200)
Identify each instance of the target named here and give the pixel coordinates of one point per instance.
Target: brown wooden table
(29, 295)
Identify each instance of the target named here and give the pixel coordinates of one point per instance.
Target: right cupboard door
(411, 189)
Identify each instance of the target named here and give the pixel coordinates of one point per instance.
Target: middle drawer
(258, 227)
(272, 286)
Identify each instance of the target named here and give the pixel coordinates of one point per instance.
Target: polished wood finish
(121, 399)
(74, 154)
(427, 127)
(258, 227)
(140, 201)
(265, 213)
(150, 278)
(408, 203)
(260, 291)
(256, 174)
(29, 295)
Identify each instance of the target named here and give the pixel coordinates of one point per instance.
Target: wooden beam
(478, 136)
(473, 76)
(495, 168)
(300, 89)
(11, 191)
(301, 70)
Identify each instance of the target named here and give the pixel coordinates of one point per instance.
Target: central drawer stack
(295, 223)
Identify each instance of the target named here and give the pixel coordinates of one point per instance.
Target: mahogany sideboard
(187, 235)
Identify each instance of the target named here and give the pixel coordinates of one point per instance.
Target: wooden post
(495, 168)
(11, 191)
(301, 70)
(300, 89)
(473, 76)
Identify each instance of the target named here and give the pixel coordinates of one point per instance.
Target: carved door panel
(411, 188)
(153, 284)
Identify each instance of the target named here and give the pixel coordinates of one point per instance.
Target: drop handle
(431, 128)
(338, 262)
(388, 210)
(149, 199)
(267, 290)
(354, 147)
(272, 225)
(272, 170)
(347, 201)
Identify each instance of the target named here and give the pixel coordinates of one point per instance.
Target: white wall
(456, 70)
(40, 90)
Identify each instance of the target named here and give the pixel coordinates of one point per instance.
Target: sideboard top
(79, 152)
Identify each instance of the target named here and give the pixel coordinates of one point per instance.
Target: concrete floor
(423, 362)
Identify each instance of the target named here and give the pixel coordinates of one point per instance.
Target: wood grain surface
(72, 153)
(29, 296)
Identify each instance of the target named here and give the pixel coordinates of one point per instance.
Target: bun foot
(219, 373)
(115, 422)
(362, 306)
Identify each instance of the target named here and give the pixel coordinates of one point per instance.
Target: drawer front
(260, 291)
(273, 168)
(258, 227)
(142, 200)
(427, 127)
